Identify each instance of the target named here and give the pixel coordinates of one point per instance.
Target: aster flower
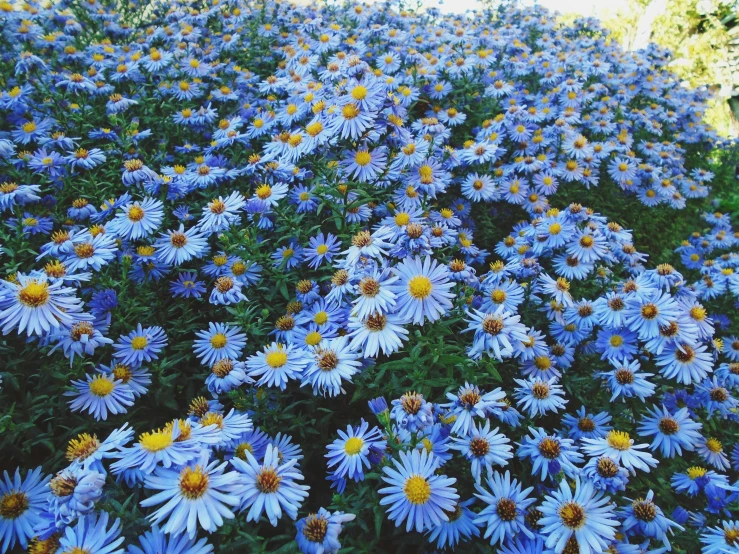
(277, 364)
(219, 341)
(645, 518)
(412, 412)
(505, 508)
(137, 219)
(672, 432)
(198, 495)
(140, 345)
(333, 362)
(415, 493)
(155, 541)
(484, 447)
(270, 487)
(100, 395)
(21, 502)
(620, 447)
(318, 533)
(423, 290)
(349, 454)
(549, 454)
(91, 534)
(33, 304)
(471, 402)
(177, 247)
(582, 518)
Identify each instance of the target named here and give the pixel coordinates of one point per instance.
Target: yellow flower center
(13, 505)
(417, 490)
(193, 482)
(156, 440)
(362, 158)
(264, 191)
(616, 341)
(619, 440)
(353, 446)
(419, 287)
(218, 340)
(313, 338)
(277, 358)
(320, 318)
(139, 343)
(34, 294)
(100, 386)
(695, 472)
(359, 92)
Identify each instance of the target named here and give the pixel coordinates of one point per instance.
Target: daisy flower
(33, 304)
(91, 534)
(195, 496)
(277, 364)
(423, 290)
(484, 447)
(333, 362)
(219, 341)
(416, 494)
(99, 395)
(319, 532)
(505, 508)
(21, 502)
(139, 346)
(620, 447)
(270, 487)
(348, 454)
(582, 519)
(155, 541)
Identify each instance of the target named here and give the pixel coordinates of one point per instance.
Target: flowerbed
(284, 279)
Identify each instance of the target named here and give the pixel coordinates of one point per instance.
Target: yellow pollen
(34, 294)
(276, 358)
(101, 386)
(218, 340)
(619, 440)
(417, 490)
(139, 343)
(156, 440)
(353, 446)
(419, 287)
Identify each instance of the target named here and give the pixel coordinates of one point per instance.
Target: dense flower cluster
(311, 207)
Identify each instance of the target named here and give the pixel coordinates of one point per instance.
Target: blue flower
(91, 534)
(21, 502)
(99, 395)
(198, 495)
(538, 397)
(350, 452)
(585, 425)
(139, 346)
(277, 364)
(605, 474)
(333, 363)
(74, 492)
(321, 249)
(549, 454)
(33, 304)
(471, 402)
(460, 525)
(672, 432)
(417, 495)
(695, 479)
(187, 285)
(219, 341)
(484, 447)
(177, 247)
(270, 487)
(156, 542)
(505, 508)
(137, 220)
(620, 447)
(423, 290)
(412, 412)
(720, 540)
(319, 533)
(643, 517)
(583, 519)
